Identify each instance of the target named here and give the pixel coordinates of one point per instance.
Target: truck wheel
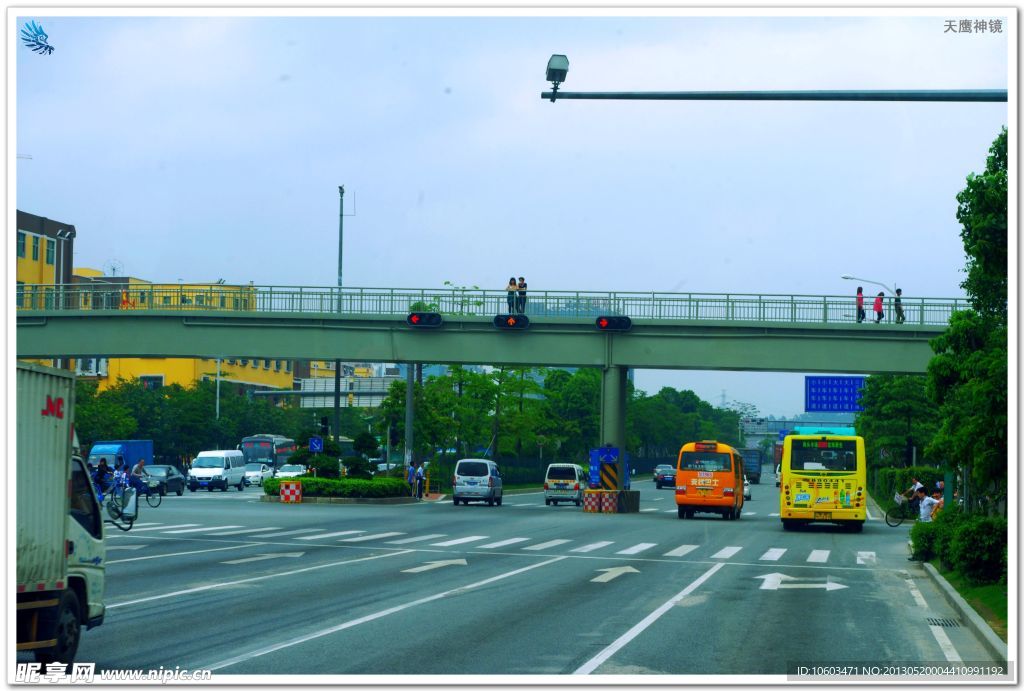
(66, 628)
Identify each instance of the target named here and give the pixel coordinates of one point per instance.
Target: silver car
(476, 479)
(256, 473)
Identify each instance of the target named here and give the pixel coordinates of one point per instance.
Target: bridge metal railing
(312, 300)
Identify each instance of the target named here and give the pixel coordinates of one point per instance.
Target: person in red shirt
(860, 304)
(878, 307)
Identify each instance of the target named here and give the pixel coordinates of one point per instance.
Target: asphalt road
(225, 582)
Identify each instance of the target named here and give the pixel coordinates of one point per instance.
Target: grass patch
(987, 600)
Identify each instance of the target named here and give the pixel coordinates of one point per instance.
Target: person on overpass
(510, 294)
(898, 304)
(879, 314)
(860, 304)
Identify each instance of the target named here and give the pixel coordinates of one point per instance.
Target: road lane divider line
(294, 532)
(371, 617)
(459, 541)
(646, 510)
(166, 527)
(363, 538)
(592, 546)
(636, 549)
(179, 554)
(671, 511)
(681, 551)
(947, 645)
(750, 513)
(818, 556)
(201, 530)
(773, 514)
(224, 584)
(726, 552)
(547, 545)
(247, 530)
(321, 536)
(502, 543)
(867, 558)
(616, 645)
(419, 538)
(774, 554)
(914, 592)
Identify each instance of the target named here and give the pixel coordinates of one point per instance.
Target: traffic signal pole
(337, 363)
(409, 402)
(613, 414)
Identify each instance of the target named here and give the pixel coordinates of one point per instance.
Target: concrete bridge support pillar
(613, 413)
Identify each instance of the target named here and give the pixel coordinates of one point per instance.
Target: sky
(207, 147)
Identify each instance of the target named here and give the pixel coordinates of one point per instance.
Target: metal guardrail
(732, 307)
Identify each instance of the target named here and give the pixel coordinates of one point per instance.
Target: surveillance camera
(558, 67)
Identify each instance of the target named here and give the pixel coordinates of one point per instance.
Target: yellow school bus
(823, 479)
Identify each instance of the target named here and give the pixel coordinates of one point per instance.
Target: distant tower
(722, 404)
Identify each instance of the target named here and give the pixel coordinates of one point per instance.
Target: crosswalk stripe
(750, 513)
(139, 525)
(323, 535)
(635, 549)
(502, 543)
(549, 543)
(672, 511)
(681, 551)
(363, 538)
(818, 556)
(866, 558)
(773, 514)
(293, 532)
(773, 554)
(592, 546)
(726, 552)
(201, 530)
(247, 530)
(419, 538)
(165, 527)
(646, 510)
(458, 541)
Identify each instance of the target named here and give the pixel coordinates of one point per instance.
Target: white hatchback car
(291, 470)
(256, 473)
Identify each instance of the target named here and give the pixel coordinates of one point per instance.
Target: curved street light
(866, 280)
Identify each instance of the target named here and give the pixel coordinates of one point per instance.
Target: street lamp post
(865, 280)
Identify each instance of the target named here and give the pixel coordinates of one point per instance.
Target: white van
(564, 482)
(476, 479)
(221, 469)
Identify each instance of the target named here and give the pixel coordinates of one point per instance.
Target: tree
(898, 414)
(365, 444)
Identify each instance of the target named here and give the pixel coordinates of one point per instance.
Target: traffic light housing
(424, 320)
(613, 323)
(324, 429)
(512, 321)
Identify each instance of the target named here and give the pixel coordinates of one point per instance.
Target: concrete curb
(346, 500)
(992, 642)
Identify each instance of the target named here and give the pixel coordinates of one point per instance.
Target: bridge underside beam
(663, 345)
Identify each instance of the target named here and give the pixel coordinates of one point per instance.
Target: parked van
(709, 478)
(221, 469)
(564, 482)
(476, 479)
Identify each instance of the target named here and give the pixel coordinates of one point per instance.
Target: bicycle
(903, 511)
(152, 492)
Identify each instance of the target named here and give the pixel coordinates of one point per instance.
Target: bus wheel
(855, 526)
(682, 511)
(788, 524)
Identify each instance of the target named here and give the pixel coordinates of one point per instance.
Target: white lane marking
(502, 543)
(636, 549)
(431, 565)
(869, 514)
(420, 538)
(263, 557)
(918, 598)
(294, 532)
(549, 543)
(773, 554)
(166, 527)
(201, 530)
(658, 499)
(750, 513)
(592, 546)
(613, 573)
(596, 661)
(109, 549)
(211, 586)
(773, 514)
(176, 554)
(818, 556)
(376, 615)
(671, 511)
(725, 552)
(321, 536)
(681, 551)
(947, 645)
(866, 558)
(458, 541)
(363, 538)
(139, 525)
(646, 510)
(247, 530)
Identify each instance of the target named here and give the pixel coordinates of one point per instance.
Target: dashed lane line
(363, 538)
(294, 532)
(459, 541)
(180, 554)
(547, 545)
(774, 554)
(502, 543)
(726, 552)
(247, 530)
(636, 549)
(818, 556)
(322, 536)
(681, 551)
(201, 530)
(420, 538)
(592, 546)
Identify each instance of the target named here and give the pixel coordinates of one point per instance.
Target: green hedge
(346, 487)
(886, 479)
(974, 546)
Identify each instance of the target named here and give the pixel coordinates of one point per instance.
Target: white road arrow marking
(776, 581)
(612, 573)
(280, 555)
(867, 558)
(431, 565)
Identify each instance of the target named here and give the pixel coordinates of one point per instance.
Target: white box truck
(61, 556)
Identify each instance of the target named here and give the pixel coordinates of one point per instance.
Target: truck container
(131, 451)
(60, 556)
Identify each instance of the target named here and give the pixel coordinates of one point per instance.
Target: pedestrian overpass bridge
(776, 333)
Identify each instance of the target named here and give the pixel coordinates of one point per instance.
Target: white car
(291, 470)
(256, 473)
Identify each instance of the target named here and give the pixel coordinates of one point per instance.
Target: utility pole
(337, 363)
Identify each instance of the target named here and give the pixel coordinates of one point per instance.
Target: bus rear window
(706, 460)
(817, 454)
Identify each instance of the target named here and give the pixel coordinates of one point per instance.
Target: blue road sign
(609, 454)
(782, 434)
(833, 394)
(316, 444)
(595, 468)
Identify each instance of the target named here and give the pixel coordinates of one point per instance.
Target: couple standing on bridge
(879, 314)
(516, 295)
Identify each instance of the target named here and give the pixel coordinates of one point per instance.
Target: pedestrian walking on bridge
(879, 314)
(860, 304)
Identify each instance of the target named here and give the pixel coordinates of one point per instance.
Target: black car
(665, 475)
(169, 477)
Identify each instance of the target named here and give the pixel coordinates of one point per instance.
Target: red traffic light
(613, 323)
(424, 320)
(511, 321)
